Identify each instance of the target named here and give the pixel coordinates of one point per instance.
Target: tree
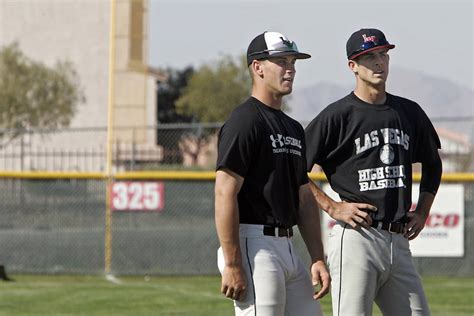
(214, 91)
(170, 91)
(33, 95)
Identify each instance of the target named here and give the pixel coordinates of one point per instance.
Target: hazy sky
(432, 36)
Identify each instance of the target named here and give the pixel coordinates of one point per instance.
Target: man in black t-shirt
(366, 143)
(262, 191)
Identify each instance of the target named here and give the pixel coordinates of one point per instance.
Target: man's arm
(227, 187)
(354, 214)
(309, 225)
(429, 184)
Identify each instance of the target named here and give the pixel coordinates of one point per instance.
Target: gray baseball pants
(368, 265)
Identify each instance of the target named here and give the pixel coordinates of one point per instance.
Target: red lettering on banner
(436, 220)
(451, 220)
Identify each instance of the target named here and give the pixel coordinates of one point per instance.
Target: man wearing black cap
(366, 143)
(262, 191)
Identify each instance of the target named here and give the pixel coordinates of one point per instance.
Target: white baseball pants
(278, 283)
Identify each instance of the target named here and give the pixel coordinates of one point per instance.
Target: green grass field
(93, 295)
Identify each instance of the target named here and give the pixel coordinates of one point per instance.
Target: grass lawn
(93, 295)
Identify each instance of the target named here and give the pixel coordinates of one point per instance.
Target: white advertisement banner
(443, 235)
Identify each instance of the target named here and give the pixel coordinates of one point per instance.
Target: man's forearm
(309, 225)
(311, 234)
(323, 201)
(227, 226)
(227, 186)
(425, 201)
(354, 214)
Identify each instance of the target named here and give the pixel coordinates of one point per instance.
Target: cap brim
(389, 46)
(263, 56)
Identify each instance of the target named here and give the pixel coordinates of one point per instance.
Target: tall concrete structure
(52, 30)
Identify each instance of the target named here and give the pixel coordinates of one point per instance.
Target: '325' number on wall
(137, 196)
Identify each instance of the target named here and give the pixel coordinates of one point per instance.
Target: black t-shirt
(367, 151)
(266, 147)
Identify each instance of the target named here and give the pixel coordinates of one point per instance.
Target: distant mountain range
(448, 104)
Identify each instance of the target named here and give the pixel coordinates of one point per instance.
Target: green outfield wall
(55, 223)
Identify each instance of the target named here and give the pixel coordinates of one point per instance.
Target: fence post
(132, 158)
(22, 152)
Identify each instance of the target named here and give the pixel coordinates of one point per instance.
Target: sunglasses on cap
(290, 46)
(368, 45)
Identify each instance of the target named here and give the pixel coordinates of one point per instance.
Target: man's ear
(353, 66)
(257, 67)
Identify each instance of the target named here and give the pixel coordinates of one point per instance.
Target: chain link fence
(53, 226)
(57, 224)
(170, 147)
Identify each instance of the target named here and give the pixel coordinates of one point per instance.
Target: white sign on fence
(137, 196)
(443, 235)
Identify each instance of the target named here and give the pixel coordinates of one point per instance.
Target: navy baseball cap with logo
(364, 41)
(272, 44)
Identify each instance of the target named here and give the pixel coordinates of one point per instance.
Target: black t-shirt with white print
(266, 147)
(367, 150)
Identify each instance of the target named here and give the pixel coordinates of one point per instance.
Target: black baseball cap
(272, 44)
(366, 40)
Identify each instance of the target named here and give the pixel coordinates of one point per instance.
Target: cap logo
(287, 43)
(372, 39)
